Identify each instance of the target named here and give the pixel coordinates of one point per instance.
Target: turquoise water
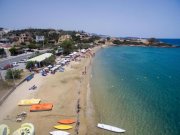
(137, 89)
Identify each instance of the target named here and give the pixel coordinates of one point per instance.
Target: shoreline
(65, 90)
(155, 46)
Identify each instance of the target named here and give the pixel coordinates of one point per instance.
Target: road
(11, 59)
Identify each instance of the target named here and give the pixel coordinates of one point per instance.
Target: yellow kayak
(63, 127)
(4, 130)
(25, 129)
(29, 101)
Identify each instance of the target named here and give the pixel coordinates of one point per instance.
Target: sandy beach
(64, 89)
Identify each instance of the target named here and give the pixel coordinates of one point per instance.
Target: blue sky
(142, 18)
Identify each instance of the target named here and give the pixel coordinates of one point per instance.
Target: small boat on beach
(25, 129)
(59, 133)
(67, 121)
(29, 102)
(111, 128)
(41, 107)
(4, 130)
(63, 127)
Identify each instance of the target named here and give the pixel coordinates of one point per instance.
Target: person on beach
(85, 70)
(30, 69)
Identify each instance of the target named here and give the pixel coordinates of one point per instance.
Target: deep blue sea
(171, 41)
(137, 89)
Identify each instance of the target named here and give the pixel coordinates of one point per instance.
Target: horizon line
(11, 29)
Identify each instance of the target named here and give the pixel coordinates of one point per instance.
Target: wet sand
(68, 91)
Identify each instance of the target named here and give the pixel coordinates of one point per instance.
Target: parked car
(23, 61)
(15, 64)
(8, 66)
(2, 68)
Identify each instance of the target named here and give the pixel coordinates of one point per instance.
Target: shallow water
(137, 89)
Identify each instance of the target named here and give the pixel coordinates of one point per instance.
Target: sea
(137, 89)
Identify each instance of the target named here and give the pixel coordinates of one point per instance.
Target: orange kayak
(67, 121)
(41, 107)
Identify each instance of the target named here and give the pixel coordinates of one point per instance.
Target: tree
(53, 36)
(75, 38)
(93, 39)
(2, 52)
(30, 64)
(13, 51)
(13, 74)
(32, 46)
(49, 61)
(67, 46)
(117, 42)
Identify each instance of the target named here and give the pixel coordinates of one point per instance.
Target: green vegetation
(52, 35)
(127, 42)
(117, 42)
(156, 42)
(152, 41)
(68, 46)
(13, 74)
(83, 46)
(32, 46)
(49, 34)
(13, 51)
(49, 61)
(75, 38)
(2, 52)
(30, 64)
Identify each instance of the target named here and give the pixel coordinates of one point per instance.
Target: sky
(120, 18)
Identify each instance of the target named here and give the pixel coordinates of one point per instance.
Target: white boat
(111, 128)
(59, 133)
